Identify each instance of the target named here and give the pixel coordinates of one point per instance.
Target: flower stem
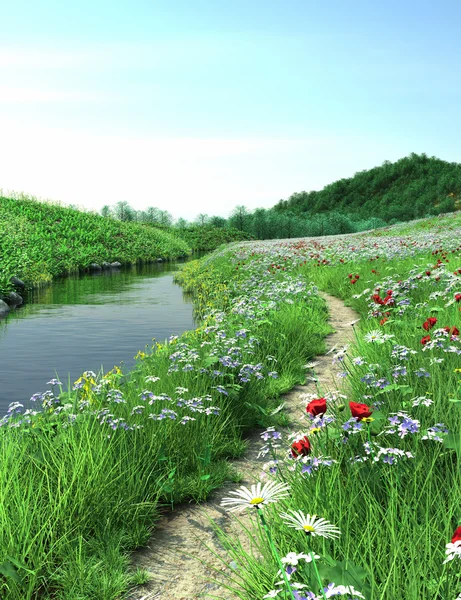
(318, 575)
(274, 551)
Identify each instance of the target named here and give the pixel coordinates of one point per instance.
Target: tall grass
(82, 480)
(391, 485)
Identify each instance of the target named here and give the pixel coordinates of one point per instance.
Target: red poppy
(429, 323)
(452, 330)
(456, 536)
(317, 407)
(425, 339)
(301, 447)
(458, 297)
(360, 411)
(383, 321)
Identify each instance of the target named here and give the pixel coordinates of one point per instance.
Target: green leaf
(8, 571)
(205, 477)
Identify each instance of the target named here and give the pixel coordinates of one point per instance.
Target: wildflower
(317, 407)
(454, 548)
(301, 447)
(425, 339)
(360, 411)
(256, 496)
(341, 590)
(53, 382)
(429, 323)
(293, 559)
(375, 336)
(311, 525)
(452, 330)
(152, 378)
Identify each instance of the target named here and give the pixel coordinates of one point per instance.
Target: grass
(41, 240)
(83, 480)
(397, 509)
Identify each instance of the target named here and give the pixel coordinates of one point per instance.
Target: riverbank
(40, 241)
(112, 449)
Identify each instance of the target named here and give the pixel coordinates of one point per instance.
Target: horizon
(200, 109)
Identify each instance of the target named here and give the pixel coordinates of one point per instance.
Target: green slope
(40, 240)
(413, 187)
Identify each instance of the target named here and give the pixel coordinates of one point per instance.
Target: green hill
(40, 240)
(414, 186)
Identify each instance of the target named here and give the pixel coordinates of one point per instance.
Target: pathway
(181, 537)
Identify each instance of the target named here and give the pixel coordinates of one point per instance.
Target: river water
(87, 322)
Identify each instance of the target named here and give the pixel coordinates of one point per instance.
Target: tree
(123, 211)
(240, 218)
(218, 221)
(106, 211)
(181, 223)
(202, 219)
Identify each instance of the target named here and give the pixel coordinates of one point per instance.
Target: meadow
(85, 475)
(368, 497)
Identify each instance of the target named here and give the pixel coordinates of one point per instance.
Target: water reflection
(88, 322)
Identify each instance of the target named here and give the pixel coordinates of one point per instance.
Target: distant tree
(166, 218)
(106, 211)
(202, 219)
(218, 221)
(240, 218)
(123, 211)
(181, 223)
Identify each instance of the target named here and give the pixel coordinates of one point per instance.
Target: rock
(4, 308)
(14, 299)
(105, 265)
(116, 264)
(159, 259)
(17, 282)
(95, 267)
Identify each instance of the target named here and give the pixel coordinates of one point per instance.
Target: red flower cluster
(360, 411)
(388, 299)
(452, 330)
(425, 339)
(429, 323)
(353, 278)
(301, 447)
(317, 407)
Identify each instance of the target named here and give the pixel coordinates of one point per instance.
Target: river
(88, 322)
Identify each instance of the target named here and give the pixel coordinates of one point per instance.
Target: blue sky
(199, 106)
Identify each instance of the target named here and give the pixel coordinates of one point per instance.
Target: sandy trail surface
(182, 538)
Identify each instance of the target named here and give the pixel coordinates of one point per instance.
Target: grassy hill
(39, 241)
(413, 187)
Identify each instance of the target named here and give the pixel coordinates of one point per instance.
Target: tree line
(413, 187)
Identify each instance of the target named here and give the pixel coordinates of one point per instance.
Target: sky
(196, 107)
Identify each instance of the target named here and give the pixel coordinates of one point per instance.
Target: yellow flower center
(315, 429)
(256, 500)
(367, 419)
(308, 528)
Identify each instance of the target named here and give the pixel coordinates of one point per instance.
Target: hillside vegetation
(39, 241)
(414, 186)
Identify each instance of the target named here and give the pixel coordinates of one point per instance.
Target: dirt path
(184, 534)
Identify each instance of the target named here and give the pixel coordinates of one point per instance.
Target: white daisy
(256, 496)
(310, 524)
(452, 550)
(272, 594)
(375, 336)
(293, 559)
